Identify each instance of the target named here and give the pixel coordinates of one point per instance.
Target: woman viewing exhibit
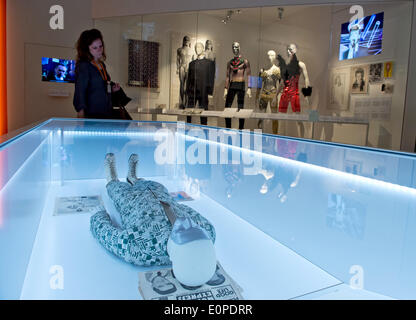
(92, 96)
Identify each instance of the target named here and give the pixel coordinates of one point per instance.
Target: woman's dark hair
(85, 39)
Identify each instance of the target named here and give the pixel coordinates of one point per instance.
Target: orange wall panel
(3, 69)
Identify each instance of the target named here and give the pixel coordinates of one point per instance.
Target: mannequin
(184, 57)
(200, 80)
(291, 72)
(210, 55)
(237, 70)
(268, 91)
(209, 51)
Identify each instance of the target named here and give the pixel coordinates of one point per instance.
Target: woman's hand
(115, 87)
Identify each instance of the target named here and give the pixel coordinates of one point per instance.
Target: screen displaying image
(58, 70)
(362, 38)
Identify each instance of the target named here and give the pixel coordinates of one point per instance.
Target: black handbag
(119, 101)
(122, 113)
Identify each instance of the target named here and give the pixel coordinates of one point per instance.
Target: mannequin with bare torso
(268, 91)
(237, 70)
(183, 58)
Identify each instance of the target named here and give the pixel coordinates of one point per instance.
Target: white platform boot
(110, 167)
(131, 175)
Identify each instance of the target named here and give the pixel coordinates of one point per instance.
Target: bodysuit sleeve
(182, 210)
(109, 236)
(138, 245)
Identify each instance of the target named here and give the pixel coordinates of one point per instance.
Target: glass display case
(328, 72)
(295, 219)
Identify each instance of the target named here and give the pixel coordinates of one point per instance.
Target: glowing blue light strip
(108, 133)
(325, 171)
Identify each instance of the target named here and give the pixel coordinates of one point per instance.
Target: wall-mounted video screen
(58, 70)
(362, 38)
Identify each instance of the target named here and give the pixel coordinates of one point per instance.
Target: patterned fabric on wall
(143, 63)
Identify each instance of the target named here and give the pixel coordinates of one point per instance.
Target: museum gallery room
(221, 150)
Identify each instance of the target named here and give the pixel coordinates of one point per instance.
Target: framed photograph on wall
(339, 89)
(376, 72)
(359, 79)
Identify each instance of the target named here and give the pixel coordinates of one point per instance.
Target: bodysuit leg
(228, 103)
(124, 197)
(240, 102)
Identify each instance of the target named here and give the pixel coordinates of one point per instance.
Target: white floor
(263, 267)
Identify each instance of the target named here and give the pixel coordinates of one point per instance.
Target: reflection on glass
(346, 214)
(233, 177)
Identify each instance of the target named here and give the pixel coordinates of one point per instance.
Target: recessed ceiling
(255, 15)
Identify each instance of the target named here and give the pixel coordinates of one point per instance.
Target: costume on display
(146, 208)
(210, 55)
(183, 58)
(290, 75)
(200, 80)
(237, 70)
(268, 91)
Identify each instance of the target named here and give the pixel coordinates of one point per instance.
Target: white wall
(409, 127)
(28, 22)
(397, 25)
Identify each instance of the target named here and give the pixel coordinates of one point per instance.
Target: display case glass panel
(294, 218)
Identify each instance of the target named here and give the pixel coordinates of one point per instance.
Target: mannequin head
(272, 56)
(199, 48)
(192, 253)
(236, 48)
(208, 45)
(186, 41)
(292, 49)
